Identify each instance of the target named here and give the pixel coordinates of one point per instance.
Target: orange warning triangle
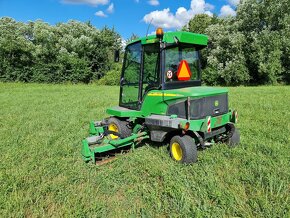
(184, 72)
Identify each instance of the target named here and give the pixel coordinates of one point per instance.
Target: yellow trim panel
(163, 94)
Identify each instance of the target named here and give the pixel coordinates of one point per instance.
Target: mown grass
(42, 173)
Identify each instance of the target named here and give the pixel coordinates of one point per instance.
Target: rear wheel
(183, 149)
(120, 127)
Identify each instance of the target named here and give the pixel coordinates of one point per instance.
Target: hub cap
(176, 151)
(113, 127)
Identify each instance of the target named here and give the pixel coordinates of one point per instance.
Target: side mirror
(117, 56)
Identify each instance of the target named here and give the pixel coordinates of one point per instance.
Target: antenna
(149, 26)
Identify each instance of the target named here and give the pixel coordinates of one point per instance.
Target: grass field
(42, 173)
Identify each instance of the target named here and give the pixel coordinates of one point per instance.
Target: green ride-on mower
(161, 99)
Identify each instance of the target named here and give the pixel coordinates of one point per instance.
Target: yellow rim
(113, 127)
(176, 151)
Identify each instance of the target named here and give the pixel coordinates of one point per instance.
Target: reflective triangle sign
(183, 72)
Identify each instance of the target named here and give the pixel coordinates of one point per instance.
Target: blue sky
(126, 16)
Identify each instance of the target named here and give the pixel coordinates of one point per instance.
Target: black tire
(123, 128)
(234, 140)
(188, 149)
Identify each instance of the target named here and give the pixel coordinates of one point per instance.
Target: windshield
(181, 64)
(131, 76)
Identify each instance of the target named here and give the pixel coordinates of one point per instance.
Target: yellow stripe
(163, 94)
(169, 94)
(155, 94)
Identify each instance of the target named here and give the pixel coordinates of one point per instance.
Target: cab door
(129, 88)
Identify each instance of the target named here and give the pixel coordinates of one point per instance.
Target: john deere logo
(216, 103)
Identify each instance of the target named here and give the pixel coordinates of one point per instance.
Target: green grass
(42, 173)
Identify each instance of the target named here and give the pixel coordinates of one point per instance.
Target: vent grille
(201, 107)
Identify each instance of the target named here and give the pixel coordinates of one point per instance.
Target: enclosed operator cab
(153, 63)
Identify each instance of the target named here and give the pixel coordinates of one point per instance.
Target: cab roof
(169, 37)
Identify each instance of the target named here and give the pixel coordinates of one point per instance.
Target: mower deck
(99, 141)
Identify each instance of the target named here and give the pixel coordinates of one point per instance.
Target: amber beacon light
(159, 32)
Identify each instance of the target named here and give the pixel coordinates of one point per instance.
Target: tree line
(65, 52)
(251, 48)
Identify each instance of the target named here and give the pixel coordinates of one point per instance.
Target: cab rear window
(181, 64)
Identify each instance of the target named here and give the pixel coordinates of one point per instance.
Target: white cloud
(88, 2)
(111, 9)
(100, 14)
(197, 6)
(153, 2)
(226, 11)
(234, 2)
(164, 19)
(167, 19)
(209, 7)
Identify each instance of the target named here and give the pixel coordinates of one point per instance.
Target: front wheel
(183, 149)
(119, 127)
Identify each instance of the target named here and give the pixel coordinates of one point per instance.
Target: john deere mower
(162, 100)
